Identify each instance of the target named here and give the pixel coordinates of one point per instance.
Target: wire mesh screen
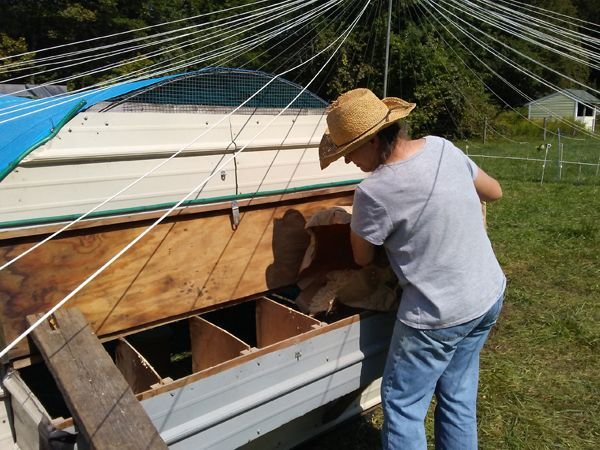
(219, 90)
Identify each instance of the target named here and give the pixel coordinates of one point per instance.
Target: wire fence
(556, 159)
(218, 90)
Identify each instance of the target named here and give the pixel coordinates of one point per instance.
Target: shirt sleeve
(473, 168)
(370, 220)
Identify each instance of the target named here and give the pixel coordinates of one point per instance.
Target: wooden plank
(212, 345)
(276, 323)
(190, 264)
(103, 406)
(136, 370)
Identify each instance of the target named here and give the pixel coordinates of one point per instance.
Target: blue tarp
(25, 124)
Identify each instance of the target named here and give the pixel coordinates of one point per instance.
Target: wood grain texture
(212, 345)
(187, 265)
(276, 323)
(103, 406)
(136, 370)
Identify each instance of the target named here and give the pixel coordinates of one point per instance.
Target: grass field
(573, 160)
(540, 370)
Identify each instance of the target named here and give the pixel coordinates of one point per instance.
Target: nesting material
(329, 275)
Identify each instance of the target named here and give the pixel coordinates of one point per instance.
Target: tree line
(455, 83)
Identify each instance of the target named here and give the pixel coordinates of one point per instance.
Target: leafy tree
(446, 77)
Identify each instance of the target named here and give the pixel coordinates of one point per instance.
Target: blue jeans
(444, 361)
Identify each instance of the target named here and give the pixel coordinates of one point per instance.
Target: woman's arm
(362, 250)
(487, 187)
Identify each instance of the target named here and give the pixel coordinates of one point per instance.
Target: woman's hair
(388, 138)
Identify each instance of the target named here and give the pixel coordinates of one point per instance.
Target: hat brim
(329, 152)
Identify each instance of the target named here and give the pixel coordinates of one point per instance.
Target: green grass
(580, 159)
(540, 370)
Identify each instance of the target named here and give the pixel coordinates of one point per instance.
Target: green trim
(162, 206)
(72, 113)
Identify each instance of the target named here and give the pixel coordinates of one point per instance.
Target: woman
(422, 204)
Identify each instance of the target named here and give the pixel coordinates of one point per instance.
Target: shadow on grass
(361, 433)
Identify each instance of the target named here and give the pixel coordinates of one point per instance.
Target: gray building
(574, 104)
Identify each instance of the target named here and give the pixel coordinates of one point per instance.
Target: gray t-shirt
(426, 212)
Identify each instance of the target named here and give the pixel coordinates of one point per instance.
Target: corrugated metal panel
(231, 408)
(318, 421)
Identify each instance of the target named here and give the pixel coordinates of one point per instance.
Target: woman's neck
(404, 149)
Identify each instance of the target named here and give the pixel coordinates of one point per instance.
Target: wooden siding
(557, 105)
(187, 264)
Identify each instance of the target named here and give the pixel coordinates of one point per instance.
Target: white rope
(512, 27)
(587, 40)
(151, 171)
(506, 60)
(503, 79)
(503, 44)
(573, 21)
(244, 44)
(95, 50)
(350, 13)
(286, 51)
(248, 18)
(134, 182)
(44, 317)
(548, 27)
(141, 74)
(290, 57)
(138, 58)
(144, 71)
(132, 31)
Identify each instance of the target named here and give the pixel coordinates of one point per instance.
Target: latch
(235, 214)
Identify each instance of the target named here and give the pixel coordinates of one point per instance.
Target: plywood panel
(136, 370)
(187, 265)
(212, 345)
(276, 323)
(44, 277)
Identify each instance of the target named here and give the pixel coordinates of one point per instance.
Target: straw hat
(354, 118)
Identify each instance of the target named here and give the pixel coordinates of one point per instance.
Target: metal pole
(545, 161)
(559, 155)
(485, 125)
(545, 126)
(387, 49)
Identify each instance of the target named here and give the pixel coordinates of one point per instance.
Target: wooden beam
(102, 404)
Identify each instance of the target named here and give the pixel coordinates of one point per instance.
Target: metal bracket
(235, 214)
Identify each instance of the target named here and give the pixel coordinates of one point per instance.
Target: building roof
(576, 94)
(27, 123)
